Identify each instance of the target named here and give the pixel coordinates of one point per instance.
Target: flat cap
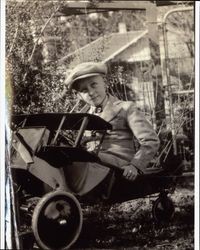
(85, 70)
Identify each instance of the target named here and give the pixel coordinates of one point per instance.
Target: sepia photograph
(100, 124)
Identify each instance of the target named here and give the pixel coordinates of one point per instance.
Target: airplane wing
(52, 121)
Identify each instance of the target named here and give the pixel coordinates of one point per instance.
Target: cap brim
(83, 77)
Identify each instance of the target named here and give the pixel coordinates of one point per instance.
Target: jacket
(132, 137)
(132, 140)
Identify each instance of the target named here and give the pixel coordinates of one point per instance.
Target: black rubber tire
(163, 209)
(44, 240)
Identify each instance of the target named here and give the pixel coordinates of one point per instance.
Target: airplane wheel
(163, 209)
(57, 220)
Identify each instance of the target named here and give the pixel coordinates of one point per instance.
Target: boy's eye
(93, 84)
(83, 90)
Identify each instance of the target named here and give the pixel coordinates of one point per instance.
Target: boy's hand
(130, 172)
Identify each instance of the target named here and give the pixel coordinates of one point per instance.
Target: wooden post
(156, 72)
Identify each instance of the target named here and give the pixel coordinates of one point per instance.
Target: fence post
(156, 72)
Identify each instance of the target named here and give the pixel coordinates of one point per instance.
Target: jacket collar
(110, 110)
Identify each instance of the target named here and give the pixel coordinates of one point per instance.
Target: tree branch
(41, 32)
(13, 42)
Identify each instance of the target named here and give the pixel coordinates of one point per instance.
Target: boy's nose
(90, 91)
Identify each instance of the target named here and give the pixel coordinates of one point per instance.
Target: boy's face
(92, 90)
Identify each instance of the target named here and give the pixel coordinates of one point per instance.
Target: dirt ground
(130, 225)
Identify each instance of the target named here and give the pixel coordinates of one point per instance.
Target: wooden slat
(117, 4)
(137, 5)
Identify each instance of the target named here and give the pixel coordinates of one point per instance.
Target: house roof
(126, 46)
(104, 48)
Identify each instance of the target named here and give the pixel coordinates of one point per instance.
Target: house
(128, 55)
(106, 48)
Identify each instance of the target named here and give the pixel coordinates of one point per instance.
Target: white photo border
(197, 34)
(2, 124)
